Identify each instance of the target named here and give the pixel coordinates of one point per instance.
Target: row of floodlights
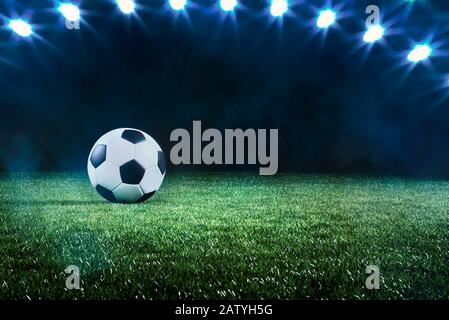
(326, 18)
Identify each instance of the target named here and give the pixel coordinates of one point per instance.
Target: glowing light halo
(228, 5)
(326, 18)
(21, 27)
(420, 53)
(278, 8)
(178, 4)
(374, 33)
(70, 11)
(126, 6)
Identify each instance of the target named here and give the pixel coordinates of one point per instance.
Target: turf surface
(226, 236)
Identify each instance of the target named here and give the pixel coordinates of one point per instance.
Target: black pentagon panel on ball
(133, 136)
(98, 155)
(161, 161)
(105, 193)
(132, 172)
(147, 196)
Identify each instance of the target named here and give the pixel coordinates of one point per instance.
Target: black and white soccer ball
(126, 166)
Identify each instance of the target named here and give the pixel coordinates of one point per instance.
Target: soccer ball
(126, 166)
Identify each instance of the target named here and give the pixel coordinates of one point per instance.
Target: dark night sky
(339, 108)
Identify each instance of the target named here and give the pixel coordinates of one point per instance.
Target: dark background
(339, 107)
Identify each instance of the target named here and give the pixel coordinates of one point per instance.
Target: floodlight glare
(126, 6)
(228, 5)
(70, 11)
(374, 33)
(278, 7)
(326, 18)
(419, 53)
(21, 27)
(178, 4)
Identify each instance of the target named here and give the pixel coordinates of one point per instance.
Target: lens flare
(374, 33)
(326, 18)
(278, 8)
(419, 53)
(21, 27)
(70, 11)
(178, 4)
(126, 6)
(228, 5)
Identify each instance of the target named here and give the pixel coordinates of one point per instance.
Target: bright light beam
(419, 53)
(21, 27)
(374, 33)
(228, 5)
(278, 8)
(70, 11)
(126, 6)
(178, 4)
(326, 18)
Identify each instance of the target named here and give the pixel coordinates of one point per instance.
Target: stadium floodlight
(326, 18)
(178, 4)
(126, 6)
(374, 33)
(70, 11)
(228, 5)
(419, 53)
(278, 7)
(21, 27)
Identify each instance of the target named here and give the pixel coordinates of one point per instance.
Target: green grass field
(226, 236)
